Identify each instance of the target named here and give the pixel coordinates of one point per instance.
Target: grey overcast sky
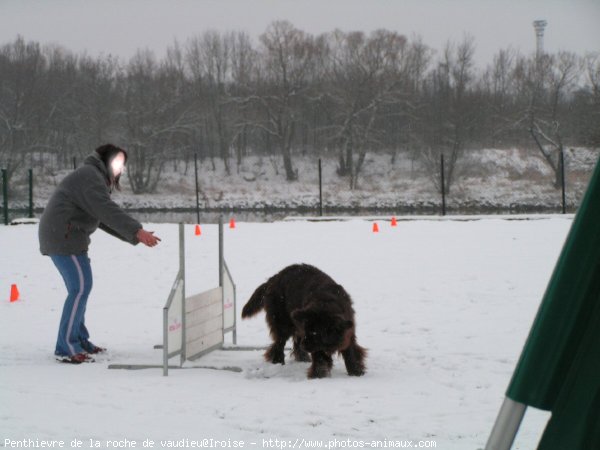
(120, 27)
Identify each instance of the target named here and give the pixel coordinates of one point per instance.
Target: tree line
(223, 96)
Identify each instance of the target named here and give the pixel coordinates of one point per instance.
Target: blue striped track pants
(77, 274)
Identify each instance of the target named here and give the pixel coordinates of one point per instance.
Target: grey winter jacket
(80, 204)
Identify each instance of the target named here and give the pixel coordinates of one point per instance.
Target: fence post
(221, 255)
(443, 182)
(31, 193)
(320, 189)
(182, 269)
(5, 195)
(562, 181)
(197, 194)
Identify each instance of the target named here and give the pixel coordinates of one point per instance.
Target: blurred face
(118, 164)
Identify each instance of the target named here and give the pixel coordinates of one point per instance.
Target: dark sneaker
(75, 359)
(94, 350)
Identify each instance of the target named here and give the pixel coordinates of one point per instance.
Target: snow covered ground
(444, 307)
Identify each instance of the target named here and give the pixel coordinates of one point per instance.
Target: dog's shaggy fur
(304, 303)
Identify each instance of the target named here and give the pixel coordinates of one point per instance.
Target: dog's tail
(256, 302)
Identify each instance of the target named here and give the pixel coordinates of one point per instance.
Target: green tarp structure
(559, 368)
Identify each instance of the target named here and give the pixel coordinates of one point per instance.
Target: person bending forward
(81, 204)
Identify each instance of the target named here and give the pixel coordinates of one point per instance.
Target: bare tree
(94, 100)
(154, 119)
(208, 57)
(550, 79)
(243, 78)
(585, 109)
(288, 59)
(499, 88)
(365, 79)
(593, 73)
(23, 119)
(452, 116)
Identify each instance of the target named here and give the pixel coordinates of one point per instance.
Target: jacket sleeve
(111, 232)
(95, 200)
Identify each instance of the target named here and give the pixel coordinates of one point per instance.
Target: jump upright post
(174, 313)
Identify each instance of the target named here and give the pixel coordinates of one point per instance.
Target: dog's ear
(347, 324)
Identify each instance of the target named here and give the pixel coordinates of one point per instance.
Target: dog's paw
(319, 372)
(357, 372)
(275, 359)
(301, 356)
(274, 356)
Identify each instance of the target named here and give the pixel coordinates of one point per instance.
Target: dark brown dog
(304, 303)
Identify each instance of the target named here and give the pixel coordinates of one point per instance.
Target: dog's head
(321, 330)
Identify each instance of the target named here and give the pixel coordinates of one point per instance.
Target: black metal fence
(27, 209)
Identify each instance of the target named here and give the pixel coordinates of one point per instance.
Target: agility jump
(196, 325)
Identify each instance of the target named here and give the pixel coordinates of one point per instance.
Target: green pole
(197, 194)
(31, 193)
(221, 254)
(562, 181)
(320, 189)
(5, 195)
(443, 183)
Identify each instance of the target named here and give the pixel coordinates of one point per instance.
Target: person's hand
(147, 237)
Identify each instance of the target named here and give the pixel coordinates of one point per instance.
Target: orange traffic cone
(375, 228)
(394, 222)
(198, 231)
(232, 223)
(14, 293)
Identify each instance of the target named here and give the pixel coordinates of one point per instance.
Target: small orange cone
(198, 231)
(14, 293)
(394, 222)
(375, 228)
(232, 223)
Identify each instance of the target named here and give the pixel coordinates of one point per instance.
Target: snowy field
(444, 307)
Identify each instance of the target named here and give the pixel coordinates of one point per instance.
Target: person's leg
(87, 345)
(84, 335)
(77, 275)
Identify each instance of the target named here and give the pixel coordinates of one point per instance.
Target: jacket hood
(94, 160)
